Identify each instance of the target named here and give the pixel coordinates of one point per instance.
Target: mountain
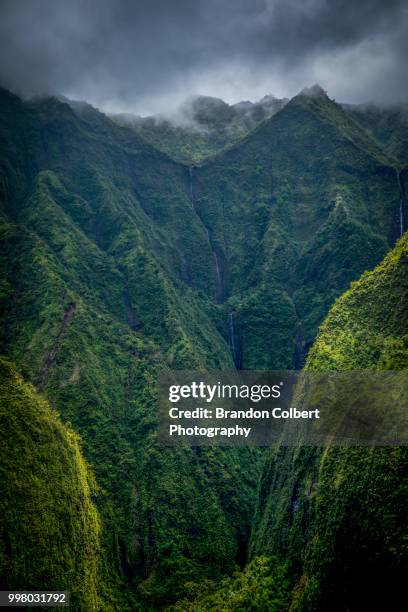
(338, 514)
(296, 211)
(202, 126)
(93, 305)
(49, 527)
(389, 125)
(118, 261)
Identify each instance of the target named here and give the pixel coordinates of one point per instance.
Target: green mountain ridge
(118, 261)
(295, 230)
(389, 125)
(72, 322)
(329, 532)
(203, 126)
(337, 513)
(49, 534)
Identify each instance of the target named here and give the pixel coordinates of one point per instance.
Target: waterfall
(219, 285)
(190, 169)
(218, 274)
(401, 203)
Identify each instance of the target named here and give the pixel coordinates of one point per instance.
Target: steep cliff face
(339, 514)
(297, 211)
(95, 231)
(49, 527)
(117, 262)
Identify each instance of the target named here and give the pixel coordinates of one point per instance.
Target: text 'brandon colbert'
(221, 413)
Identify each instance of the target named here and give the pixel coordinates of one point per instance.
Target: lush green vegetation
(49, 529)
(338, 514)
(264, 585)
(202, 127)
(92, 307)
(388, 125)
(118, 261)
(297, 211)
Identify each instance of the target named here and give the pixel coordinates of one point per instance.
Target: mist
(146, 58)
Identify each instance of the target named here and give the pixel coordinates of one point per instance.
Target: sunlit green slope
(49, 528)
(338, 514)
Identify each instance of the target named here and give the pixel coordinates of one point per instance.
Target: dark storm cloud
(149, 55)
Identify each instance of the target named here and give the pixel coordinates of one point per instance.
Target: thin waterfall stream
(401, 202)
(219, 284)
(234, 340)
(191, 189)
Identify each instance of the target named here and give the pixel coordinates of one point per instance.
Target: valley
(273, 240)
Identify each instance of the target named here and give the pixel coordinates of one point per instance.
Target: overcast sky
(146, 56)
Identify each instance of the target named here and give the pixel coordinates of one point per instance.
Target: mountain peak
(315, 91)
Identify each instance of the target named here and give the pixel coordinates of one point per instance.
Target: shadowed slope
(339, 514)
